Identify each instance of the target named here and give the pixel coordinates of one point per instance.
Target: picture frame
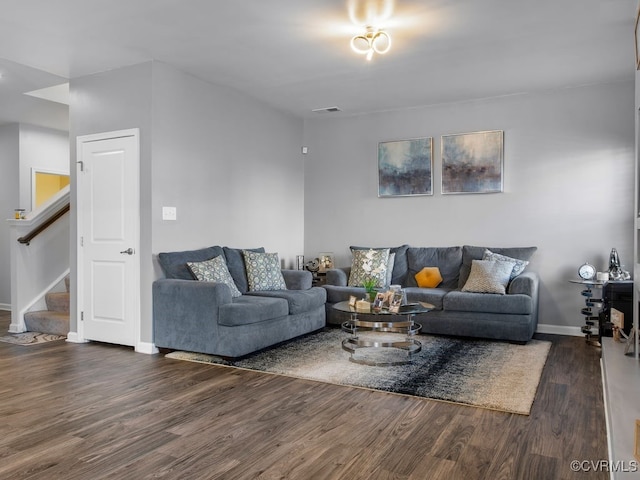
(472, 162)
(352, 301)
(405, 167)
(637, 39)
(326, 261)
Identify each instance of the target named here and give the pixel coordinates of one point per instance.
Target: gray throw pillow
(214, 270)
(488, 276)
(263, 271)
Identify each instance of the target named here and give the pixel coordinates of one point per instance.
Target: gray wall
(230, 165)
(9, 199)
(115, 100)
(568, 177)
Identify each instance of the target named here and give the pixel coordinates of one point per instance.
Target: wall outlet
(169, 213)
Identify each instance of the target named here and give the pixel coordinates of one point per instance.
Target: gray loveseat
(203, 317)
(512, 317)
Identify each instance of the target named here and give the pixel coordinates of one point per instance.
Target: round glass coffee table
(375, 324)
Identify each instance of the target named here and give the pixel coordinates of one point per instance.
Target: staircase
(54, 320)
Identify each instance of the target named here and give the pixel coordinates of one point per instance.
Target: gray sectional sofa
(512, 317)
(200, 316)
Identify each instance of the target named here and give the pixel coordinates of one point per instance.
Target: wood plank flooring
(95, 411)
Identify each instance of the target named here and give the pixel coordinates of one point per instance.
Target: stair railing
(26, 240)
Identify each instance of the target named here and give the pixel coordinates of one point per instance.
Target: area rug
(30, 338)
(488, 374)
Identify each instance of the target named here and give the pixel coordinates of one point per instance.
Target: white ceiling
(295, 55)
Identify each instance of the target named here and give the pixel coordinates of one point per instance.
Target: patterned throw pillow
(488, 276)
(263, 271)
(518, 268)
(369, 265)
(214, 270)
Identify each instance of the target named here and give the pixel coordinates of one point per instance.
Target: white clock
(587, 271)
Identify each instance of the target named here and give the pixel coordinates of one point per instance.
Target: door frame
(80, 274)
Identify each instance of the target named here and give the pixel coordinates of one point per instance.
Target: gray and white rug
(30, 338)
(494, 375)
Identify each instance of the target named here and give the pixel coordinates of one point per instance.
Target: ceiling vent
(326, 110)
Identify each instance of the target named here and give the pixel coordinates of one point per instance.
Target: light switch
(169, 213)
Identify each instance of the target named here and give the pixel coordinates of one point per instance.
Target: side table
(591, 311)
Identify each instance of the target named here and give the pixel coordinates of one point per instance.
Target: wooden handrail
(36, 231)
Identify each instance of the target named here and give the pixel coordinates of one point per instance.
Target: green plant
(369, 285)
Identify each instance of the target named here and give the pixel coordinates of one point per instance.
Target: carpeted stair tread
(58, 301)
(45, 321)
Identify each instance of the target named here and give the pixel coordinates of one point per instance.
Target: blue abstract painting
(472, 162)
(405, 168)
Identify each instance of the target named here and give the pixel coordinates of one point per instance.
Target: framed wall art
(405, 167)
(472, 162)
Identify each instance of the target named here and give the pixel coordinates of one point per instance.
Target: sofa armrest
(526, 283)
(185, 314)
(338, 276)
(297, 279)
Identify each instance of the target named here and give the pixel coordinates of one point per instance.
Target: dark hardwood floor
(94, 411)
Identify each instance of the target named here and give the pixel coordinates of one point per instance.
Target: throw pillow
(369, 265)
(518, 268)
(214, 270)
(429, 277)
(263, 271)
(488, 276)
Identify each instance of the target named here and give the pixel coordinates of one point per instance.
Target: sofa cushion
(214, 270)
(488, 276)
(174, 264)
(249, 309)
(470, 253)
(434, 296)
(519, 265)
(300, 301)
(428, 277)
(369, 264)
(447, 259)
(483, 303)
(235, 263)
(263, 271)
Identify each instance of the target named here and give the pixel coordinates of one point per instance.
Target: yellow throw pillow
(428, 277)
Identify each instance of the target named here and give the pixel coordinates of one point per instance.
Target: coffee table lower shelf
(409, 346)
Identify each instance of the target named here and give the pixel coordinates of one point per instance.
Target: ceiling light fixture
(374, 41)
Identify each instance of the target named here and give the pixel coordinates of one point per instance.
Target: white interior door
(108, 226)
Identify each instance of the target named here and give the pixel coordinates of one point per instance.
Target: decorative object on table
(452, 369)
(586, 271)
(472, 162)
(19, 214)
(405, 168)
(326, 261)
(313, 265)
(370, 285)
(630, 345)
(300, 262)
(616, 272)
(363, 306)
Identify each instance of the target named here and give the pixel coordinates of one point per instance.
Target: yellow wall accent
(48, 184)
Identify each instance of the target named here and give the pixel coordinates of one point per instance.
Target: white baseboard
(16, 328)
(72, 337)
(146, 347)
(560, 330)
(5, 306)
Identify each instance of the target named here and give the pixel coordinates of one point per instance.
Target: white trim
(5, 306)
(559, 330)
(72, 337)
(146, 347)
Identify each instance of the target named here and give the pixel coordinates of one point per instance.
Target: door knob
(128, 251)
